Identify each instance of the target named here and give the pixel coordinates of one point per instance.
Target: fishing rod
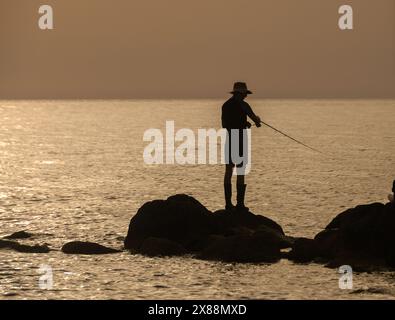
(289, 137)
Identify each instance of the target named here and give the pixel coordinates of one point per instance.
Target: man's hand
(258, 122)
(249, 125)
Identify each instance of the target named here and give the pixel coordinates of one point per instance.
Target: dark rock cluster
(181, 225)
(361, 237)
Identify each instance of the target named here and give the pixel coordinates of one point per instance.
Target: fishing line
(293, 139)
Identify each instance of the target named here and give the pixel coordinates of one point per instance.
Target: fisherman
(234, 119)
(391, 197)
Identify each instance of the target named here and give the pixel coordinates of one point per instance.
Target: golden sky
(196, 49)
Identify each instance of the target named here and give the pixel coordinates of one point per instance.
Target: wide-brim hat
(240, 87)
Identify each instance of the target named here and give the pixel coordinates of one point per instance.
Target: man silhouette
(234, 120)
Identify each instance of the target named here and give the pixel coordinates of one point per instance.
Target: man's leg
(241, 170)
(241, 191)
(228, 186)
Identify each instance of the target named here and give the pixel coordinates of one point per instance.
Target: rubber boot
(228, 197)
(241, 192)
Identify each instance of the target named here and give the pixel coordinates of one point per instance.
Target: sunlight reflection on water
(73, 171)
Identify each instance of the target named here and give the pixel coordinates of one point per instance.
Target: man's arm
(248, 110)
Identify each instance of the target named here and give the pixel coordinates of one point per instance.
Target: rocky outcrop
(181, 219)
(87, 248)
(182, 225)
(362, 237)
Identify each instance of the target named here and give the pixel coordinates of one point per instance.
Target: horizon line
(193, 98)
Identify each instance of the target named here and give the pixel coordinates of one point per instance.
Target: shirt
(234, 114)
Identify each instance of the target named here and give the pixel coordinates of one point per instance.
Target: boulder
(241, 248)
(19, 235)
(225, 221)
(12, 245)
(86, 248)
(180, 218)
(156, 247)
(273, 236)
(203, 242)
(303, 250)
(362, 237)
(182, 225)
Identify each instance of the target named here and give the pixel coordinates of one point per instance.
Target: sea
(74, 170)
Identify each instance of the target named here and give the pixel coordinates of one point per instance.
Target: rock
(273, 237)
(180, 218)
(154, 247)
(262, 245)
(327, 244)
(226, 220)
(321, 248)
(366, 231)
(19, 235)
(241, 248)
(87, 248)
(390, 259)
(182, 225)
(362, 237)
(33, 249)
(203, 242)
(303, 250)
(5, 244)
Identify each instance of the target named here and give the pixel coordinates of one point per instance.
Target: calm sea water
(74, 171)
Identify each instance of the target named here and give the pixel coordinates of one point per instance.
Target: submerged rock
(361, 237)
(182, 225)
(12, 245)
(86, 248)
(19, 235)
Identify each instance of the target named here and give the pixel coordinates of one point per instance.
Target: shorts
(237, 147)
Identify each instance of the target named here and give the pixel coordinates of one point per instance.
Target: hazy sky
(196, 49)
